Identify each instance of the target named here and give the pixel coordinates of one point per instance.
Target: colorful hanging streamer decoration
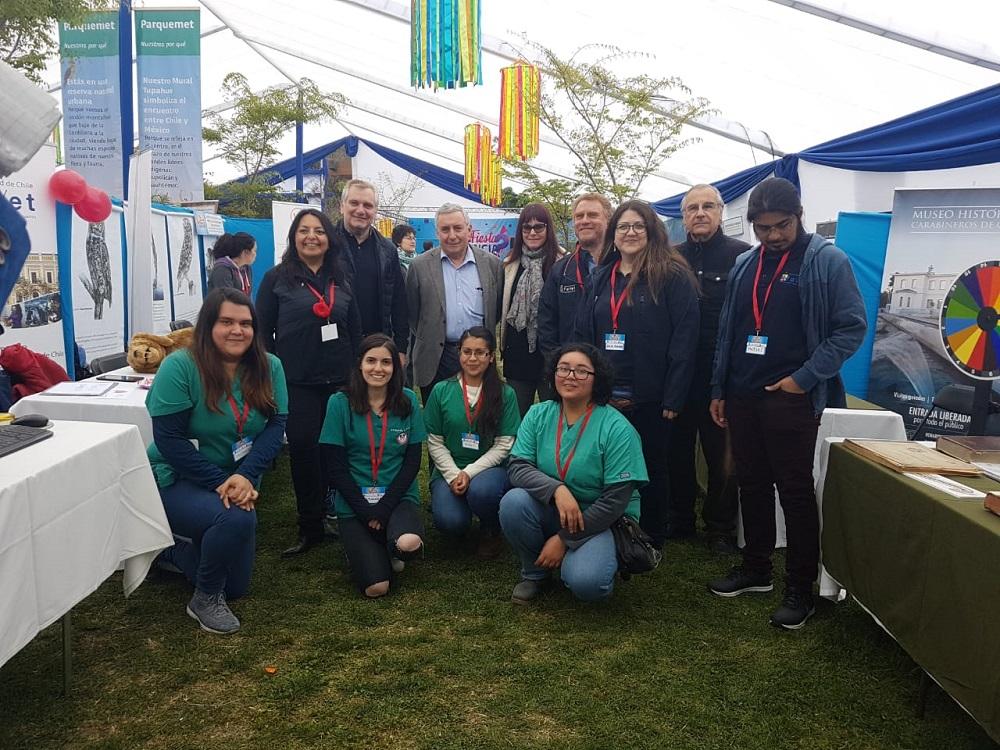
(446, 48)
(384, 226)
(520, 99)
(483, 169)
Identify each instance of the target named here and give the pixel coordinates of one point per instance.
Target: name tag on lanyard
(470, 440)
(614, 342)
(756, 345)
(241, 448)
(373, 494)
(328, 332)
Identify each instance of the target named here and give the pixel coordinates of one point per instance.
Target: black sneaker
(740, 581)
(796, 607)
(723, 545)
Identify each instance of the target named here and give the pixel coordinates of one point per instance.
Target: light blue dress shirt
(463, 296)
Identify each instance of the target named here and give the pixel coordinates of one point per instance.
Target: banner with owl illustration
(98, 284)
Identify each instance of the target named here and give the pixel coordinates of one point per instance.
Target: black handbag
(634, 548)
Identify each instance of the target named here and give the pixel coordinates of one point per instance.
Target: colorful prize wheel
(969, 318)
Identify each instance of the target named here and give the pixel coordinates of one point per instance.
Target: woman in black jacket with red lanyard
(641, 310)
(309, 318)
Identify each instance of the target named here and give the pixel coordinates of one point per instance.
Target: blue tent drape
(959, 133)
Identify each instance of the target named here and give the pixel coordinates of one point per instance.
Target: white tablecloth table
(73, 509)
(836, 425)
(125, 404)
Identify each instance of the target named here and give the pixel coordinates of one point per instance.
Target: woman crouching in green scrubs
(576, 467)
(371, 441)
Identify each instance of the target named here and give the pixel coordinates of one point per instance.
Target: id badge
(757, 345)
(470, 440)
(329, 332)
(614, 342)
(241, 448)
(373, 494)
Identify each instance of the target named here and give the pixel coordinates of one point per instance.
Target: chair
(176, 325)
(107, 363)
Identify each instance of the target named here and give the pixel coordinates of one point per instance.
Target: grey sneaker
(740, 581)
(796, 607)
(526, 590)
(397, 565)
(212, 613)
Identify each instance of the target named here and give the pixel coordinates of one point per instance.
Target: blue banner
(492, 235)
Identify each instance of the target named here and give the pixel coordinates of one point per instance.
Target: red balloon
(95, 206)
(67, 186)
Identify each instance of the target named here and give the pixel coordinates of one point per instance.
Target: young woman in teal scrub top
(576, 467)
(371, 442)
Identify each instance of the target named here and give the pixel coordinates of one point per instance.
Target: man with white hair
(711, 255)
(449, 289)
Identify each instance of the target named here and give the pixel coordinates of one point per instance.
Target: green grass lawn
(447, 662)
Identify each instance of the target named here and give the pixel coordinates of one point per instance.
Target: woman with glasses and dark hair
(642, 312)
(310, 319)
(371, 445)
(234, 256)
(576, 467)
(227, 393)
(533, 252)
(471, 421)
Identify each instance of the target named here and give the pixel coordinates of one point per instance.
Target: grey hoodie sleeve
(607, 509)
(524, 474)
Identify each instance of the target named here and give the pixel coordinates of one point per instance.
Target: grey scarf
(523, 312)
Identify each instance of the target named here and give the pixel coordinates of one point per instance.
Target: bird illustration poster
(162, 314)
(185, 266)
(98, 284)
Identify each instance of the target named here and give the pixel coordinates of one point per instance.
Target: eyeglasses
(577, 373)
(763, 230)
(638, 227)
(693, 208)
(534, 228)
(476, 353)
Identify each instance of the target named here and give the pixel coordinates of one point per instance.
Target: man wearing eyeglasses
(711, 255)
(563, 289)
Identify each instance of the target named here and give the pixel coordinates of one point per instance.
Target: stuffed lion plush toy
(147, 350)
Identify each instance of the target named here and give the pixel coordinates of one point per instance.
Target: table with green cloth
(926, 566)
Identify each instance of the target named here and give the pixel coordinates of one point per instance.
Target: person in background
(309, 317)
(371, 441)
(576, 467)
(371, 265)
(471, 421)
(404, 237)
(711, 255)
(792, 316)
(228, 394)
(428, 245)
(533, 252)
(563, 290)
(450, 289)
(642, 311)
(234, 256)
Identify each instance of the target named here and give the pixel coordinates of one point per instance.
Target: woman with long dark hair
(234, 256)
(371, 444)
(227, 393)
(309, 318)
(534, 250)
(471, 421)
(642, 312)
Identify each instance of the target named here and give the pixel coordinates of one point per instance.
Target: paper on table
(953, 488)
(83, 388)
(990, 470)
(120, 392)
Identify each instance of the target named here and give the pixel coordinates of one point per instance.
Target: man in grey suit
(448, 290)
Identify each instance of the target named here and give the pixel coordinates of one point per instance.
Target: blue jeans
(220, 555)
(588, 571)
(453, 514)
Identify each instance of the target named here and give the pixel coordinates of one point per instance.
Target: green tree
(248, 138)
(28, 35)
(557, 195)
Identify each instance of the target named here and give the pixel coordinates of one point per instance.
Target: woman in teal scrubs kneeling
(371, 442)
(576, 467)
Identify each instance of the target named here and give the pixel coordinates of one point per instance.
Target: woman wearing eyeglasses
(533, 252)
(576, 467)
(642, 312)
(471, 422)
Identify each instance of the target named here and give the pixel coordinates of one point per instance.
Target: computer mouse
(32, 420)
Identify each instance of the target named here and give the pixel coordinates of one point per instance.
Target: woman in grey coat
(234, 256)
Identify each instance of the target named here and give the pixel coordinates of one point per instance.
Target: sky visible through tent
(782, 74)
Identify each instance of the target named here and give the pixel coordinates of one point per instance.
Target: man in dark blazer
(448, 290)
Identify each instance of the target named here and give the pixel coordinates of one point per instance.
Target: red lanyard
(471, 416)
(562, 469)
(244, 281)
(616, 304)
(322, 308)
(241, 419)
(758, 309)
(376, 457)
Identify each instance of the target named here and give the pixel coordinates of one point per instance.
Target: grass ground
(447, 662)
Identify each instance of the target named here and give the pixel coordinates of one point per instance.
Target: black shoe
(303, 545)
(796, 607)
(723, 545)
(740, 581)
(330, 529)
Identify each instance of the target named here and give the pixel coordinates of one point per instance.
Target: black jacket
(664, 336)
(290, 329)
(559, 303)
(391, 284)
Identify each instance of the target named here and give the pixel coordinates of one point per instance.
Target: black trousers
(654, 498)
(774, 441)
(306, 411)
(369, 552)
(448, 366)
